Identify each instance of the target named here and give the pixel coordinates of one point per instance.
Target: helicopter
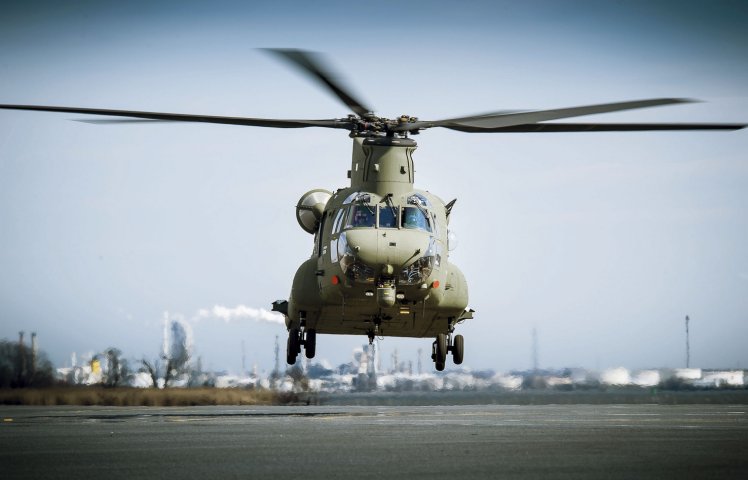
(380, 260)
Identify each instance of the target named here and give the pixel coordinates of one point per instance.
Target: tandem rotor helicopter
(380, 263)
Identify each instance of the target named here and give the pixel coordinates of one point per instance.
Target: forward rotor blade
(504, 119)
(313, 65)
(181, 117)
(597, 127)
(120, 121)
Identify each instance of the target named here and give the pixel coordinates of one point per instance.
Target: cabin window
(415, 217)
(387, 217)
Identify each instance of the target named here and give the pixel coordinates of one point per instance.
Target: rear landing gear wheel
(439, 366)
(293, 346)
(458, 349)
(310, 344)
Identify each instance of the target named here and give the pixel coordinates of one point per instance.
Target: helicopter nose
(389, 251)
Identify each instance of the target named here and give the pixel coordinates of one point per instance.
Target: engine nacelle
(310, 207)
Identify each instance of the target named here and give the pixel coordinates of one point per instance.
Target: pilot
(361, 218)
(412, 218)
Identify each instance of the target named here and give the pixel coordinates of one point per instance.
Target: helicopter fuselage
(380, 263)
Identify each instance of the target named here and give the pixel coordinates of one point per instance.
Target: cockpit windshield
(414, 217)
(410, 217)
(387, 217)
(361, 216)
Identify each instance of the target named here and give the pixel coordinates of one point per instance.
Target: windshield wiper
(388, 201)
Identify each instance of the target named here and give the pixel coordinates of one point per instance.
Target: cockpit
(361, 213)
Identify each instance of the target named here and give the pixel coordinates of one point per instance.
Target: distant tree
(179, 354)
(117, 371)
(175, 359)
(19, 368)
(164, 367)
(300, 380)
(152, 369)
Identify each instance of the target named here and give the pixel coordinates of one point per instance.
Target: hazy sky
(604, 242)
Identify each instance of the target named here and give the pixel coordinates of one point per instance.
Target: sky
(602, 242)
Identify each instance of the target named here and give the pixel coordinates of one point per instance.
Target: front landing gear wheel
(439, 351)
(441, 348)
(293, 346)
(458, 349)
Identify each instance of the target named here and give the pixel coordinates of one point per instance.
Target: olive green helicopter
(380, 262)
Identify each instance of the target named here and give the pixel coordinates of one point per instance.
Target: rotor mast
(382, 164)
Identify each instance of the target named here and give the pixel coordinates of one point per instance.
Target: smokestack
(420, 351)
(244, 360)
(165, 346)
(34, 352)
(535, 350)
(21, 360)
(379, 356)
(277, 358)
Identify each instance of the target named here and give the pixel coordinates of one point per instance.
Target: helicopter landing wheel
(458, 349)
(310, 344)
(441, 349)
(293, 346)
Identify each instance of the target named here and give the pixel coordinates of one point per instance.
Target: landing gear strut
(373, 333)
(298, 337)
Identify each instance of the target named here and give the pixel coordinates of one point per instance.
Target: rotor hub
(372, 125)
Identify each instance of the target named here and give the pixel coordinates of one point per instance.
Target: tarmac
(494, 441)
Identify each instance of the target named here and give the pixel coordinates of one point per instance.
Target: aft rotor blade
(181, 117)
(597, 127)
(504, 119)
(313, 65)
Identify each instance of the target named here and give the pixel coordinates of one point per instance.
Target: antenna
(688, 346)
(535, 350)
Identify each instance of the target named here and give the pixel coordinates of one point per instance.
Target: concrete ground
(498, 441)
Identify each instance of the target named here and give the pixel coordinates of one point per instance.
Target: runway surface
(523, 442)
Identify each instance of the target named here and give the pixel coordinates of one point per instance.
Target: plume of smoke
(238, 314)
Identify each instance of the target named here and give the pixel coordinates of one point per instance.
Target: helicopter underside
(402, 321)
(319, 307)
(382, 323)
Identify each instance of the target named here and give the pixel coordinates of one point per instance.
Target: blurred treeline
(21, 366)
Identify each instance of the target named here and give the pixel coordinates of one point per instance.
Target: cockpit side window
(338, 221)
(414, 217)
(361, 216)
(387, 217)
